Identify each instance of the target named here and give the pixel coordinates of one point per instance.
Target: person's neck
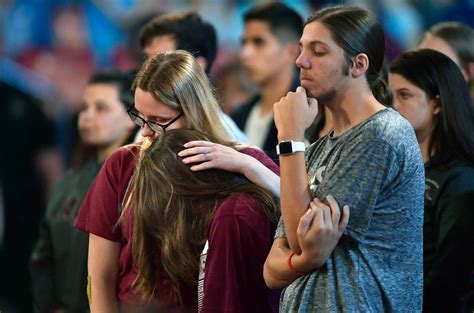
(351, 108)
(274, 89)
(424, 139)
(328, 124)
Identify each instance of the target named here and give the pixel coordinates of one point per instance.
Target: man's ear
(360, 65)
(202, 62)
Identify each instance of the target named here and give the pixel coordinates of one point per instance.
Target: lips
(304, 78)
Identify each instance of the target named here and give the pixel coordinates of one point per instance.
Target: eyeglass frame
(133, 114)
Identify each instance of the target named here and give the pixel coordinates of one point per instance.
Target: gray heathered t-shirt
(377, 169)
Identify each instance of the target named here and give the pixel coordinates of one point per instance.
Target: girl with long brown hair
(171, 92)
(178, 211)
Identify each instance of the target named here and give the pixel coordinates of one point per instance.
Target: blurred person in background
(456, 40)
(188, 32)
(430, 92)
(58, 264)
(232, 86)
(67, 63)
(268, 53)
(29, 167)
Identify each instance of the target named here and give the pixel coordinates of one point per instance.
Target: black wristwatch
(289, 147)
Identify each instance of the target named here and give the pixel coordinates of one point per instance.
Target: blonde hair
(177, 80)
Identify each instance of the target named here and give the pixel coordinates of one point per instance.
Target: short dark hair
(356, 30)
(122, 80)
(284, 22)
(191, 33)
(459, 36)
(438, 76)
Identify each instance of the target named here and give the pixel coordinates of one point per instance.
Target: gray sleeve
(361, 171)
(280, 231)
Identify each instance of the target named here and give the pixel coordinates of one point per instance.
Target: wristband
(294, 270)
(289, 147)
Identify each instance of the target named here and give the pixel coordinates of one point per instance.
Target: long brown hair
(172, 207)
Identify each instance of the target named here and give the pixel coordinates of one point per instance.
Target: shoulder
(460, 178)
(125, 153)
(122, 159)
(389, 129)
(239, 212)
(388, 125)
(241, 206)
(262, 157)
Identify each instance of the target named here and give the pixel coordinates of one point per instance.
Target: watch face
(285, 147)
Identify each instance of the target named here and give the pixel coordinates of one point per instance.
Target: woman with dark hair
(59, 260)
(178, 212)
(430, 92)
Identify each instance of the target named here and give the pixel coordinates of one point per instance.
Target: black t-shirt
(448, 235)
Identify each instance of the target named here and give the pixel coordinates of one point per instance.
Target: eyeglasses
(140, 121)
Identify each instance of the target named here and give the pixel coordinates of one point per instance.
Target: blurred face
(438, 44)
(103, 120)
(151, 109)
(160, 44)
(262, 55)
(323, 68)
(413, 104)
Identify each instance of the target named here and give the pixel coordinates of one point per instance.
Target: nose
(86, 115)
(302, 61)
(245, 52)
(396, 105)
(147, 131)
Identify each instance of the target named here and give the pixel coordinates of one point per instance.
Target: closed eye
(404, 95)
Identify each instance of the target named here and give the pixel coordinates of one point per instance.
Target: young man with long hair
(370, 161)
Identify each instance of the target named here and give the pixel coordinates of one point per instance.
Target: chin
(311, 93)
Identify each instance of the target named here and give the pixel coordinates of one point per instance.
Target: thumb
(300, 90)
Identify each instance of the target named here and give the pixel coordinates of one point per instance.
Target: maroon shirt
(100, 211)
(240, 237)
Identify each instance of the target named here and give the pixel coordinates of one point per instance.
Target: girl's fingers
(345, 218)
(335, 211)
(196, 143)
(194, 151)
